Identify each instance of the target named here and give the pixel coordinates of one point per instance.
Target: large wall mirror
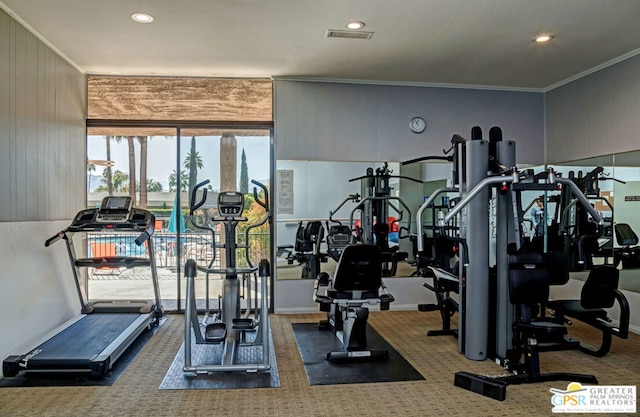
(317, 210)
(615, 194)
(309, 191)
(321, 204)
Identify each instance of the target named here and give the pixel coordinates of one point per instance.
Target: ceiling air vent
(348, 34)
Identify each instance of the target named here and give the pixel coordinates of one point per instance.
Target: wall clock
(417, 124)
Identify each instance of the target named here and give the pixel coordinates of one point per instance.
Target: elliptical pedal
(244, 324)
(215, 333)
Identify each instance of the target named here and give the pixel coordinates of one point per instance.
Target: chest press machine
(498, 314)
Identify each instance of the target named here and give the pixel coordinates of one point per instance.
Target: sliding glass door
(158, 168)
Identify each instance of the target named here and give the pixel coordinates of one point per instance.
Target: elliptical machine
(229, 327)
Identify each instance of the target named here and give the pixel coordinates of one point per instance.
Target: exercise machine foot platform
(356, 283)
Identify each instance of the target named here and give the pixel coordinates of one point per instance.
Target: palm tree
(143, 171)
(132, 170)
(153, 186)
(118, 179)
(132, 167)
(91, 168)
(173, 181)
(109, 178)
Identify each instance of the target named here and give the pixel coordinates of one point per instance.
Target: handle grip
(265, 203)
(53, 239)
(193, 207)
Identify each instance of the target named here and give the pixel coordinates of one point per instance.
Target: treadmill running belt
(86, 338)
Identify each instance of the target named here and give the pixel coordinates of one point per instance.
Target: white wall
(595, 115)
(627, 211)
(360, 122)
(37, 289)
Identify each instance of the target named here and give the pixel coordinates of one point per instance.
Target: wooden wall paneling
(61, 142)
(14, 113)
(42, 140)
(5, 109)
(52, 148)
(30, 143)
(41, 143)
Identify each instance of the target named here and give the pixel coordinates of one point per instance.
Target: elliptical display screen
(230, 203)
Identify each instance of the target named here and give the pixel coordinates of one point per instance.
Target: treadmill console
(114, 210)
(230, 203)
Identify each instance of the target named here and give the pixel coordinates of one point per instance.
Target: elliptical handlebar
(193, 207)
(265, 203)
(267, 217)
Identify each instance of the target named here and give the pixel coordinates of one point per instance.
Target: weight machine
(488, 317)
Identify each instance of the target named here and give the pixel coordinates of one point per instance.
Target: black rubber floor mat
(314, 344)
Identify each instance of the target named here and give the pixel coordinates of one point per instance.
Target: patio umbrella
(172, 221)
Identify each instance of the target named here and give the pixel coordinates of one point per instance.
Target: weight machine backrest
(359, 269)
(528, 279)
(625, 236)
(599, 289)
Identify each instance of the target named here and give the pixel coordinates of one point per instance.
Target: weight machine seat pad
(543, 331)
(348, 295)
(573, 308)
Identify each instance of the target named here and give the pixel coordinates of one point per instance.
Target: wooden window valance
(179, 99)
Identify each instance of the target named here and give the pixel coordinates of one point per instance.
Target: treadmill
(93, 341)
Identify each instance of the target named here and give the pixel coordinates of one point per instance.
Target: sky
(161, 157)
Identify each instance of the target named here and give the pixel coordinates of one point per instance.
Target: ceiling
(483, 43)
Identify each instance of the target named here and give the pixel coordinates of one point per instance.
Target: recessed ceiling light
(355, 25)
(142, 17)
(543, 38)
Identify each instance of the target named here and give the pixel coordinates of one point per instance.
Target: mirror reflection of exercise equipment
(93, 341)
(571, 229)
(435, 245)
(375, 226)
(306, 250)
(228, 328)
(627, 254)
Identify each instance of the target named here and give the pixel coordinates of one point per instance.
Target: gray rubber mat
(212, 354)
(314, 344)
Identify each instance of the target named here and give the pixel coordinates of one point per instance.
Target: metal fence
(170, 253)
